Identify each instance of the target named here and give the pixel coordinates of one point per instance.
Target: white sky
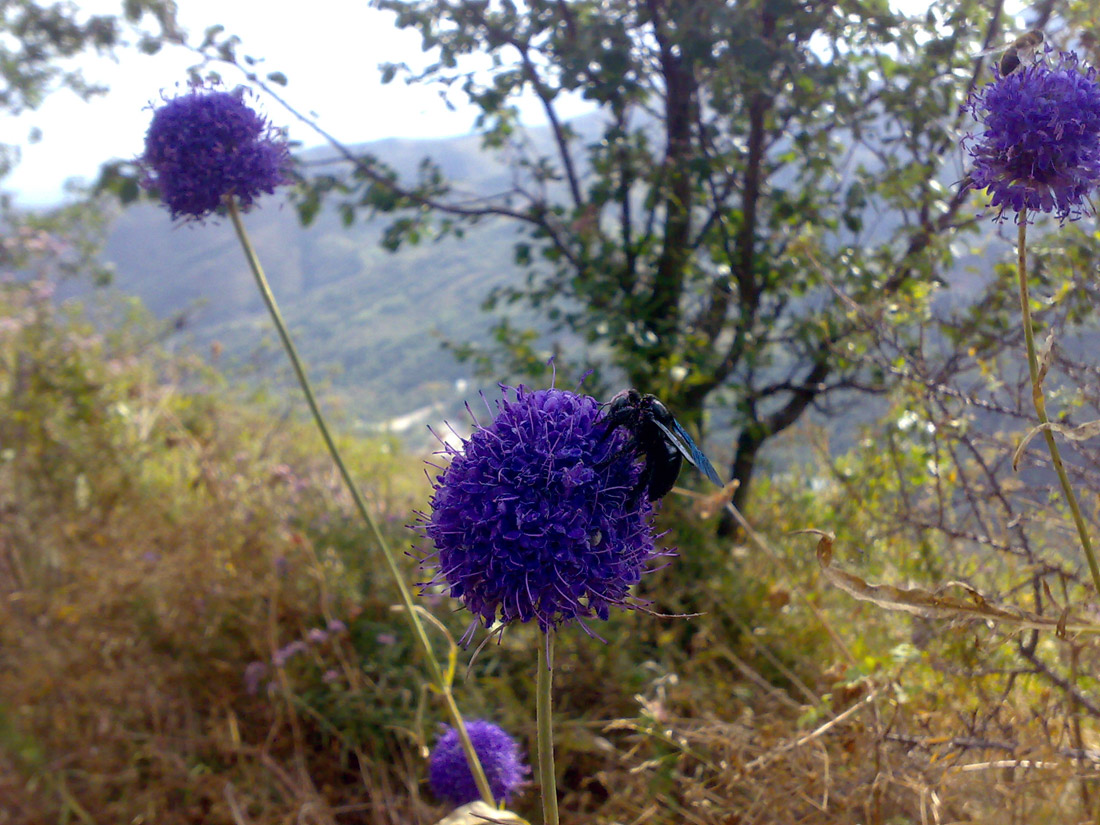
(329, 49)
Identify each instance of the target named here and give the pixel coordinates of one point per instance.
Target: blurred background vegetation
(762, 224)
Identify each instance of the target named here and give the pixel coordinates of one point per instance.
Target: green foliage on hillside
(156, 540)
(376, 321)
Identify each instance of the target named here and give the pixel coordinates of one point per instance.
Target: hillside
(377, 319)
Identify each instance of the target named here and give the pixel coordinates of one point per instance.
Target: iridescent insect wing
(683, 442)
(1025, 42)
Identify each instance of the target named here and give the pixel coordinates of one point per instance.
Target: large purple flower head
(1040, 149)
(536, 517)
(450, 775)
(205, 144)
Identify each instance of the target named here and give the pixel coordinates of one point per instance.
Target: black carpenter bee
(657, 436)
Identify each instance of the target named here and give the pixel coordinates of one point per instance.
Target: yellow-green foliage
(155, 540)
(162, 536)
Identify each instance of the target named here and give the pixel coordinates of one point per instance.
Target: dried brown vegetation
(157, 541)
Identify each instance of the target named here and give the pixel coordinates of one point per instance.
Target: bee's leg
(612, 453)
(611, 424)
(618, 417)
(641, 488)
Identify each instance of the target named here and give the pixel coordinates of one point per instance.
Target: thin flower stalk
(441, 683)
(1040, 403)
(544, 712)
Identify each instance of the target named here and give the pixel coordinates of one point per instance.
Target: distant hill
(373, 317)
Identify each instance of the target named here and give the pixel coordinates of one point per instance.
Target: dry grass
(763, 767)
(155, 542)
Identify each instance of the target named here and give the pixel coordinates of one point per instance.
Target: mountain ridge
(376, 318)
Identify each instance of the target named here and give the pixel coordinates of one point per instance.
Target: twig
(771, 756)
(971, 743)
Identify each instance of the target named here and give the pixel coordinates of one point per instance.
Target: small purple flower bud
(253, 673)
(499, 754)
(285, 654)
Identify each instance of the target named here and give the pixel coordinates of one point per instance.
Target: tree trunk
(744, 462)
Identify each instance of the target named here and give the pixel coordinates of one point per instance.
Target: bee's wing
(1025, 43)
(993, 50)
(683, 442)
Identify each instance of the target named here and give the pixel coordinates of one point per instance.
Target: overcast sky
(329, 50)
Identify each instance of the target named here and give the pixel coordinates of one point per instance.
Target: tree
(36, 50)
(756, 170)
(41, 37)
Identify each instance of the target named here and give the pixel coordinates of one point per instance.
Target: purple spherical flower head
(498, 753)
(1040, 149)
(536, 517)
(206, 144)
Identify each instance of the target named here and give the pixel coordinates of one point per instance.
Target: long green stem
(1041, 406)
(437, 676)
(547, 777)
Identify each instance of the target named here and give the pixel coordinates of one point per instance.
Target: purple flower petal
(1040, 148)
(253, 673)
(206, 144)
(498, 753)
(536, 517)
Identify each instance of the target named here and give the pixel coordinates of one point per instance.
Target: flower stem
(1041, 406)
(547, 776)
(441, 683)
